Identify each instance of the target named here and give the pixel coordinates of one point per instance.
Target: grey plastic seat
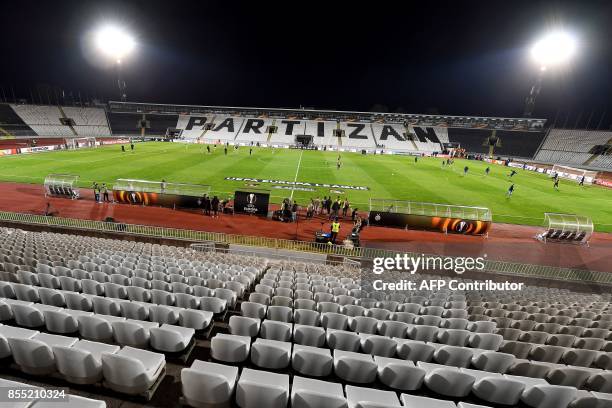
(252, 309)
(414, 350)
(164, 314)
(343, 340)
(309, 335)
(363, 324)
(130, 333)
(311, 361)
(449, 382)
(244, 326)
(378, 345)
(213, 304)
(27, 315)
(361, 397)
(454, 356)
(307, 317)
(548, 396)
(423, 333)
(453, 337)
(170, 339)
(105, 306)
(96, 327)
(82, 363)
(280, 313)
(132, 371)
(499, 390)
(51, 297)
(399, 374)
(207, 384)
(258, 389)
(310, 393)
(410, 401)
(270, 354)
(230, 348)
(354, 367)
(337, 321)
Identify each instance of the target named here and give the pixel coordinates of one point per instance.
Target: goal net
(81, 142)
(573, 173)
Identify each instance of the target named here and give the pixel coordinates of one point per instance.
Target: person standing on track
(214, 203)
(335, 229)
(105, 193)
(96, 191)
(345, 207)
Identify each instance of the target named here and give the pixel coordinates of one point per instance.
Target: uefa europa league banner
(163, 200)
(249, 202)
(423, 222)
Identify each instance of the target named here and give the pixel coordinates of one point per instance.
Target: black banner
(442, 224)
(163, 200)
(249, 202)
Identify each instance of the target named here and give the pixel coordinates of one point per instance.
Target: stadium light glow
(555, 48)
(114, 42)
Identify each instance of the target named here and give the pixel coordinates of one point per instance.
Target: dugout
(567, 228)
(164, 194)
(62, 185)
(445, 218)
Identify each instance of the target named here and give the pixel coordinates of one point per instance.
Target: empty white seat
(493, 361)
(274, 330)
(32, 356)
(244, 326)
(331, 320)
(195, 319)
(258, 389)
(226, 294)
(354, 367)
(82, 363)
(498, 390)
(213, 304)
(130, 333)
(138, 294)
(449, 381)
(309, 393)
(134, 310)
(252, 309)
(309, 335)
(27, 315)
(25, 293)
(60, 321)
(415, 350)
(422, 333)
(399, 374)
(230, 348)
(453, 337)
(311, 361)
(132, 371)
(280, 313)
(113, 290)
(171, 339)
(207, 384)
(270, 354)
(548, 396)
(378, 345)
(363, 324)
(343, 340)
(106, 306)
(454, 356)
(410, 401)
(370, 398)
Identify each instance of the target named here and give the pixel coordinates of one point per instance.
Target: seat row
(127, 370)
(121, 330)
(112, 296)
(212, 384)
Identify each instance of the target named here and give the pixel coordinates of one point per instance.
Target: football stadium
(162, 254)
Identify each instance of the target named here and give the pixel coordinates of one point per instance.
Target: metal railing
(357, 253)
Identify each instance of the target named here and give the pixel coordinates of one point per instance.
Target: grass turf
(389, 176)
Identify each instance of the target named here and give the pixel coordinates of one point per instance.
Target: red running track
(505, 242)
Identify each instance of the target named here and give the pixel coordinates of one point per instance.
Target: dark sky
(455, 57)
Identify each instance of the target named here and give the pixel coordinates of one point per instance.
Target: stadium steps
(74, 132)
(374, 135)
(595, 156)
(200, 139)
(339, 137)
(408, 136)
(270, 132)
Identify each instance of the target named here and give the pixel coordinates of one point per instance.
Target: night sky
(455, 57)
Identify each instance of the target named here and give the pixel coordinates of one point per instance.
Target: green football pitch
(389, 176)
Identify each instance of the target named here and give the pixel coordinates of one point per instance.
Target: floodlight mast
(554, 49)
(116, 44)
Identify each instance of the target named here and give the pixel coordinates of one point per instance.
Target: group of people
(211, 206)
(329, 207)
(100, 193)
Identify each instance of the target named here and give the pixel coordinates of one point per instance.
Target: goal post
(573, 173)
(81, 142)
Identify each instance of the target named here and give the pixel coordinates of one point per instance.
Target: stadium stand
(89, 122)
(567, 146)
(125, 124)
(322, 132)
(158, 125)
(193, 127)
(287, 130)
(393, 136)
(117, 313)
(43, 120)
(513, 143)
(11, 125)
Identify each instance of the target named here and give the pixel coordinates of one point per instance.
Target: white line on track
(296, 173)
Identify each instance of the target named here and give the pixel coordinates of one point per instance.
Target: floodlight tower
(116, 44)
(552, 50)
